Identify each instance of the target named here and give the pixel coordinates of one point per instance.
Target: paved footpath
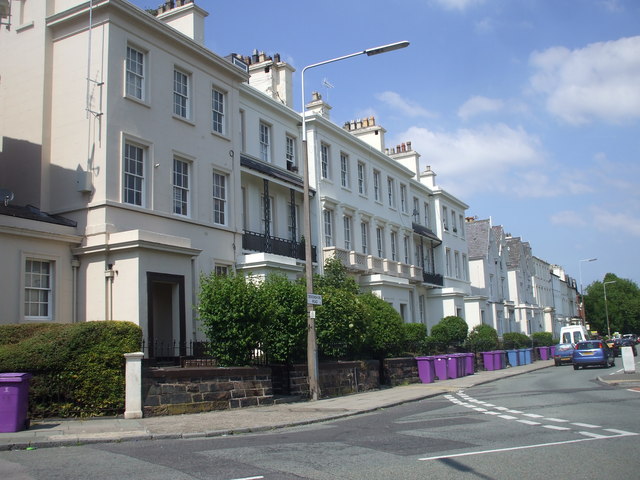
(56, 432)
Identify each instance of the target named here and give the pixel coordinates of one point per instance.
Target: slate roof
(30, 212)
(477, 233)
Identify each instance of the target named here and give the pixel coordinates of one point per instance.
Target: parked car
(592, 352)
(627, 342)
(632, 336)
(616, 346)
(563, 353)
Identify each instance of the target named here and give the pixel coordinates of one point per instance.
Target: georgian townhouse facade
(527, 313)
(128, 128)
(158, 161)
(488, 301)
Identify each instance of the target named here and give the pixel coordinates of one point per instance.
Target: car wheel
(575, 367)
(613, 364)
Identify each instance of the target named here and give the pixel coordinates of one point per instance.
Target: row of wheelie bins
(444, 367)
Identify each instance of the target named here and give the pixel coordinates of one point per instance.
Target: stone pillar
(133, 389)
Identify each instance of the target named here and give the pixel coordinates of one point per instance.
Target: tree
(451, 331)
(623, 305)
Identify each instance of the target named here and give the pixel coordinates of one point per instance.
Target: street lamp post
(582, 312)
(606, 308)
(312, 345)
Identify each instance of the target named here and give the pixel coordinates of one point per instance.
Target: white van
(573, 334)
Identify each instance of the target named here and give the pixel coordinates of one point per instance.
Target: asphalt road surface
(554, 423)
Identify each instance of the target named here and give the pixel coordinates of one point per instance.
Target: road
(552, 423)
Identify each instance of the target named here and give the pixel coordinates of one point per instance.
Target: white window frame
(218, 119)
(292, 161)
(403, 198)
(364, 237)
(445, 219)
(290, 224)
(133, 173)
(456, 261)
(327, 216)
(362, 178)
(416, 210)
(265, 142)
(271, 215)
(344, 170)
(181, 93)
(380, 241)
(181, 187)
(135, 73)
(38, 294)
(462, 225)
(448, 261)
(391, 192)
(325, 161)
(376, 185)
(220, 198)
(347, 225)
(454, 225)
(426, 214)
(407, 248)
(394, 246)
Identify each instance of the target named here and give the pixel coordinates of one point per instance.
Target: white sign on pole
(313, 299)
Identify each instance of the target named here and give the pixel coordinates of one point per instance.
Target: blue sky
(528, 110)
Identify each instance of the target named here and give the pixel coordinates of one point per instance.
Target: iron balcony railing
(259, 242)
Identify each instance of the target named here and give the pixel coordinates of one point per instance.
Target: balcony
(368, 264)
(258, 242)
(433, 278)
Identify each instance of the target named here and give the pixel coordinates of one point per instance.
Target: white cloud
(408, 108)
(459, 5)
(603, 220)
(598, 82)
(477, 105)
(491, 159)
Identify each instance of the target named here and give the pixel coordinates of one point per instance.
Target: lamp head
(386, 48)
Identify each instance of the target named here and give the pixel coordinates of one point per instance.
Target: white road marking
(507, 417)
(480, 409)
(511, 449)
(586, 425)
(555, 427)
(533, 415)
(529, 422)
(557, 420)
(619, 432)
(593, 435)
(517, 412)
(249, 478)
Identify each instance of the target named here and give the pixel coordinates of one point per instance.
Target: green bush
(416, 340)
(515, 340)
(78, 369)
(230, 317)
(384, 333)
(542, 339)
(482, 338)
(451, 331)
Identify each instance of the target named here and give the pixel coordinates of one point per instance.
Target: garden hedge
(78, 369)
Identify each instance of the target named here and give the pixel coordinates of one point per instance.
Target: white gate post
(133, 388)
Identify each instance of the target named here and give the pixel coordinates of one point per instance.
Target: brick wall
(173, 391)
(400, 371)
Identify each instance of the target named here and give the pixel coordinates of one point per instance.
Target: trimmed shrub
(451, 331)
(416, 340)
(78, 369)
(515, 340)
(384, 332)
(482, 338)
(542, 339)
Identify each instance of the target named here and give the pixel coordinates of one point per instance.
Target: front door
(166, 331)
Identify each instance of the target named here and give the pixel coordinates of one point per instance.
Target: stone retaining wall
(173, 391)
(400, 371)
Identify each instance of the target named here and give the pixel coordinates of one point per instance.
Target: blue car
(592, 352)
(563, 353)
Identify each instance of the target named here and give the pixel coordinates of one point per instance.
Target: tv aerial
(6, 196)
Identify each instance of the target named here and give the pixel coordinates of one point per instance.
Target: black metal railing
(433, 278)
(259, 242)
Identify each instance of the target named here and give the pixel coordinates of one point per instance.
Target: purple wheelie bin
(440, 366)
(453, 366)
(499, 359)
(488, 360)
(14, 401)
(426, 369)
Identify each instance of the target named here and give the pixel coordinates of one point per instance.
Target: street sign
(313, 299)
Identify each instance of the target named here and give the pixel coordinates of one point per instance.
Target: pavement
(69, 432)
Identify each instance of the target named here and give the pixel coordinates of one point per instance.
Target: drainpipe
(75, 264)
(109, 275)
